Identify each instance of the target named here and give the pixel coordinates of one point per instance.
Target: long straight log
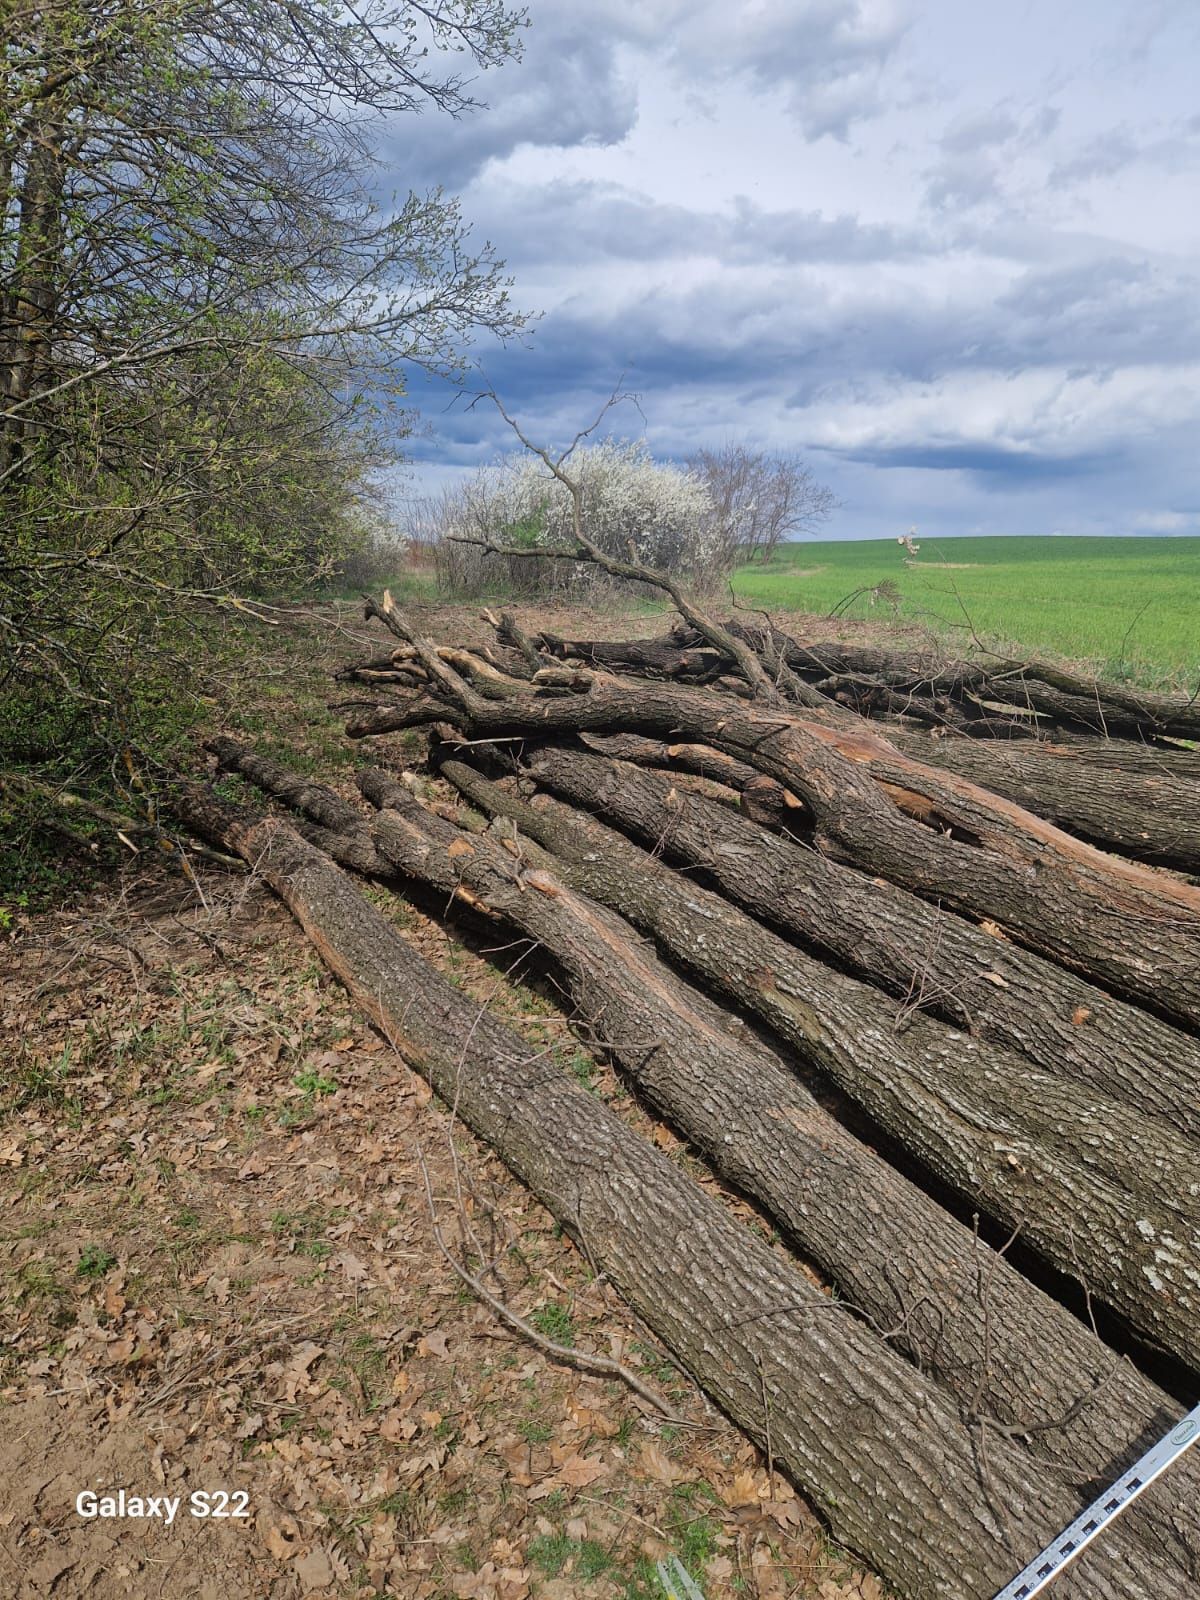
(931, 960)
(1004, 1348)
(1135, 931)
(878, 1447)
(1094, 1188)
(1088, 789)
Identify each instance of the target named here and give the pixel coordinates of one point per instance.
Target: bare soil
(218, 1269)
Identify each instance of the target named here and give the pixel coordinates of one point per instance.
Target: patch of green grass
(697, 1544)
(45, 1083)
(583, 1069)
(315, 1084)
(301, 1229)
(36, 1280)
(364, 1372)
(554, 1320)
(552, 1552)
(1124, 607)
(94, 1261)
(654, 1362)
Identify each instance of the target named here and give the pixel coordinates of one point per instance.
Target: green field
(1128, 608)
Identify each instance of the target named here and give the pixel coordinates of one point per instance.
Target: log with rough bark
(1147, 807)
(1093, 1187)
(932, 961)
(660, 658)
(1133, 930)
(1138, 800)
(1048, 692)
(880, 1449)
(1004, 1348)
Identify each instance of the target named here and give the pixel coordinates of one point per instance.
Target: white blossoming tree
(661, 514)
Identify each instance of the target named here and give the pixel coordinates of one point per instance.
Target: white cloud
(1174, 522)
(952, 252)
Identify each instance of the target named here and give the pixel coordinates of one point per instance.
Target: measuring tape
(676, 1580)
(1046, 1566)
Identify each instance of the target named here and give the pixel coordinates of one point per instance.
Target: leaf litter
(218, 1274)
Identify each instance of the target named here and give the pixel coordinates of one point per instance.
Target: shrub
(663, 512)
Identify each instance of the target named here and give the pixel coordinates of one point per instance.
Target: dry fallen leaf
(314, 1571)
(577, 1472)
(743, 1491)
(280, 1538)
(295, 1375)
(657, 1464)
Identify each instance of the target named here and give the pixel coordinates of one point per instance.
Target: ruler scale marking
(1077, 1535)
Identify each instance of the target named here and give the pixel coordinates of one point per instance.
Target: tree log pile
(926, 991)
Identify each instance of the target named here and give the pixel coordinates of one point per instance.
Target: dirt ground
(218, 1273)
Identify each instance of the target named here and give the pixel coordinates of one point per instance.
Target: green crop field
(1129, 608)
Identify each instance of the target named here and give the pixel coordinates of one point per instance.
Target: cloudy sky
(947, 251)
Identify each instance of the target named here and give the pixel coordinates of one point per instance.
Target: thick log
(1132, 799)
(1093, 1187)
(1089, 790)
(1006, 1351)
(1135, 931)
(934, 962)
(1110, 792)
(701, 759)
(878, 1447)
(652, 657)
(1107, 709)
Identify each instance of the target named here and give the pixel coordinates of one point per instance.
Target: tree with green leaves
(206, 312)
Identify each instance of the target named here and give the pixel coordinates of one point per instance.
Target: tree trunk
(1094, 1188)
(1135, 931)
(1088, 789)
(660, 658)
(1108, 709)
(878, 1447)
(935, 962)
(1124, 797)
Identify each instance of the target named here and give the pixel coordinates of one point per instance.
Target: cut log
(1112, 792)
(701, 759)
(1135, 931)
(1103, 708)
(933, 961)
(660, 658)
(892, 1251)
(1095, 1188)
(1087, 789)
(879, 1448)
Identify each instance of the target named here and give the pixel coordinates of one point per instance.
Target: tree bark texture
(1089, 790)
(1106, 791)
(1094, 1188)
(1135, 931)
(931, 960)
(1110, 710)
(880, 1449)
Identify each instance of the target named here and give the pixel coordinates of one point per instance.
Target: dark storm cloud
(992, 467)
(578, 220)
(1114, 310)
(964, 303)
(568, 90)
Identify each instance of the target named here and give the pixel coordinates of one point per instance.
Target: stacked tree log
(893, 994)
